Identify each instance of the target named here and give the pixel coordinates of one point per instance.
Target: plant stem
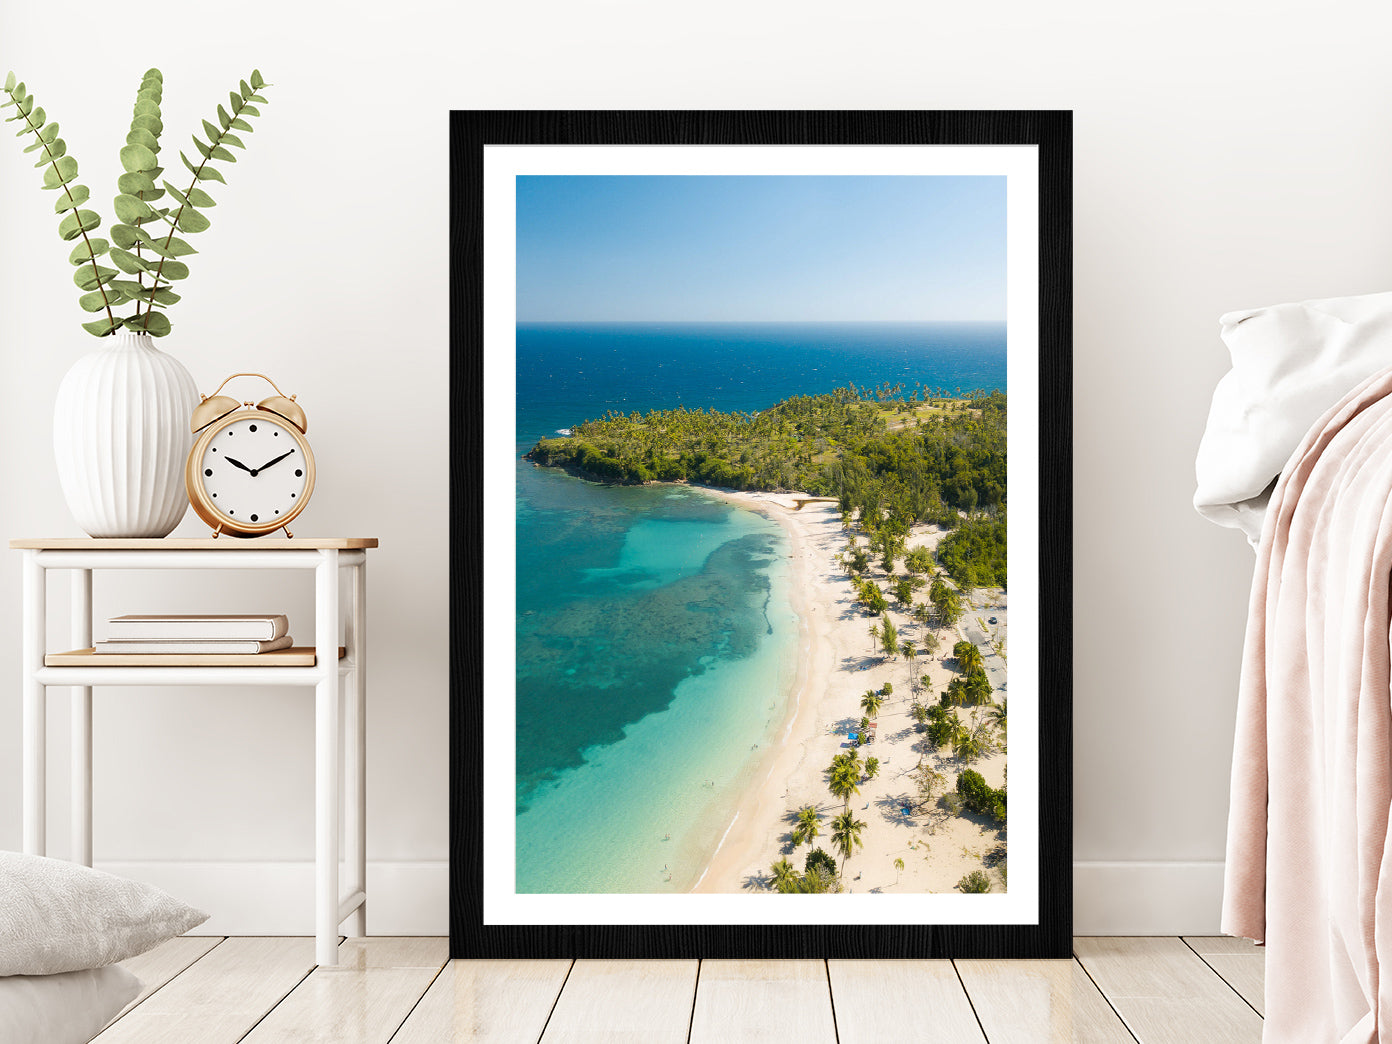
(91, 256)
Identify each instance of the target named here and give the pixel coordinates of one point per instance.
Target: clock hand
(238, 464)
(263, 467)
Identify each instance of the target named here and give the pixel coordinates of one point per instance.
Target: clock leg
(288, 535)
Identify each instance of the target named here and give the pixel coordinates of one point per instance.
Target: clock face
(254, 470)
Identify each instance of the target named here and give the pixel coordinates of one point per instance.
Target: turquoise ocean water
(655, 641)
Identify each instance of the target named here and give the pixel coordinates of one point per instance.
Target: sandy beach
(837, 664)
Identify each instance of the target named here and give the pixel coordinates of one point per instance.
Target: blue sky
(760, 248)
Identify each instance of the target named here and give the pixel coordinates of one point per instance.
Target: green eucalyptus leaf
(246, 90)
(146, 107)
(17, 92)
(140, 136)
(126, 236)
(153, 124)
(153, 73)
(60, 172)
(219, 153)
(171, 246)
(38, 144)
(130, 209)
(76, 223)
(73, 196)
(137, 157)
(87, 279)
(88, 249)
(256, 80)
(93, 302)
(191, 221)
(27, 106)
(129, 263)
(233, 140)
(101, 327)
(52, 150)
(211, 174)
(206, 150)
(156, 324)
(9, 81)
(251, 110)
(175, 192)
(257, 98)
(173, 270)
(236, 100)
(241, 125)
(135, 183)
(36, 119)
(129, 287)
(49, 133)
(199, 198)
(150, 90)
(212, 132)
(224, 118)
(162, 297)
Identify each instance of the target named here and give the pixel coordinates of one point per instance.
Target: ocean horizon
(656, 643)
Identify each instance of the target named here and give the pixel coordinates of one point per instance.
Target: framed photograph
(761, 516)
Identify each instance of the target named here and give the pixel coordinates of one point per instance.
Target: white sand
(836, 667)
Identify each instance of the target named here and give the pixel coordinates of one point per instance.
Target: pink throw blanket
(1309, 870)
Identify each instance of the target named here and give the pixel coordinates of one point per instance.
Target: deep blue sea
(655, 643)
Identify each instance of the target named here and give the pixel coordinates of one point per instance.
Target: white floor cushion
(57, 916)
(67, 1008)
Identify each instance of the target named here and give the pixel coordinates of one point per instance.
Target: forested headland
(892, 460)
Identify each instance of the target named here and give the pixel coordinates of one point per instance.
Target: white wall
(1226, 156)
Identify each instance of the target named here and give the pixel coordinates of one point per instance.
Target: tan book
(194, 646)
(259, 627)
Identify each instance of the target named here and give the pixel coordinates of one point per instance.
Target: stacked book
(204, 633)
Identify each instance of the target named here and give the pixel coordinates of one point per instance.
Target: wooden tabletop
(226, 543)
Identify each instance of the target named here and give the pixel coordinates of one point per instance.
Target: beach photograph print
(763, 668)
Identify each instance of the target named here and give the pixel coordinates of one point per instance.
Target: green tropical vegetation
(141, 246)
(979, 796)
(942, 461)
(975, 882)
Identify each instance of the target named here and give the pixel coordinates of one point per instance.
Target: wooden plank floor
(406, 991)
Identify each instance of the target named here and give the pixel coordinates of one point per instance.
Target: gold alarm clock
(251, 470)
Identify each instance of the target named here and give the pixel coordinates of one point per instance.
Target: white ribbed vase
(121, 436)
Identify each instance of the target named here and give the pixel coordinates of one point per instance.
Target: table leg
(35, 730)
(326, 759)
(80, 730)
(355, 754)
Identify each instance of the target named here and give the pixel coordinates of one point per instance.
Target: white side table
(337, 777)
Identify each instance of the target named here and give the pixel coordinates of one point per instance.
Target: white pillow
(69, 1008)
(57, 916)
(1290, 364)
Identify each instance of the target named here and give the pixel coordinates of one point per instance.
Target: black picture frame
(1050, 133)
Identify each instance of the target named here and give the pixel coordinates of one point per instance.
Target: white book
(214, 627)
(196, 646)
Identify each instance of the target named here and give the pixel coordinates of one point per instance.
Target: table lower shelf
(295, 656)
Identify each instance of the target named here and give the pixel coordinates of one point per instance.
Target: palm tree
(844, 783)
(910, 654)
(890, 637)
(875, 637)
(996, 715)
(898, 869)
(807, 827)
(968, 655)
(784, 876)
(845, 835)
(871, 702)
(872, 767)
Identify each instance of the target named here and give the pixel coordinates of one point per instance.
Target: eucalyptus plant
(141, 246)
